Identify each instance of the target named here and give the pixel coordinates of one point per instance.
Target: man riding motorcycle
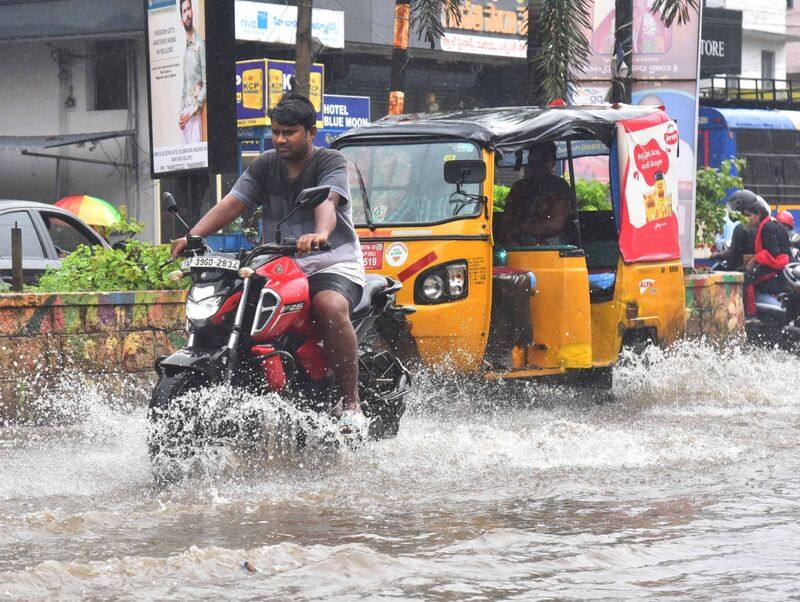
(743, 239)
(772, 250)
(335, 277)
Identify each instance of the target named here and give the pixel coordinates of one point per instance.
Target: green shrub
(500, 197)
(140, 266)
(713, 185)
(592, 195)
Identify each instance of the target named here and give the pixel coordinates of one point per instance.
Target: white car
(49, 234)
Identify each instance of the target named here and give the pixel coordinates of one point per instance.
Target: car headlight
(443, 283)
(204, 309)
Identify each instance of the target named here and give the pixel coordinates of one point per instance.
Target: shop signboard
(345, 112)
(277, 24)
(487, 27)
(177, 85)
(721, 45)
(260, 84)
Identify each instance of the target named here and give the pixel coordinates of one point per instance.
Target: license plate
(373, 255)
(214, 263)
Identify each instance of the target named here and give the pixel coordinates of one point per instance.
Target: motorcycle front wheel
(173, 429)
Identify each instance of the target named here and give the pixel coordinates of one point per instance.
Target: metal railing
(733, 87)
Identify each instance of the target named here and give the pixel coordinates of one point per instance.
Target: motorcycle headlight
(204, 309)
(443, 283)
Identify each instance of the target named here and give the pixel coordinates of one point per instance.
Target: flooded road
(686, 486)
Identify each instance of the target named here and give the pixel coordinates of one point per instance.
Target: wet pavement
(685, 486)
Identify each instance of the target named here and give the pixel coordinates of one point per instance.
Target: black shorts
(335, 282)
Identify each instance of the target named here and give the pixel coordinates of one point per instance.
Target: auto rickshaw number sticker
(373, 255)
(396, 254)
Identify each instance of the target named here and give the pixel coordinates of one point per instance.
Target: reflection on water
(684, 486)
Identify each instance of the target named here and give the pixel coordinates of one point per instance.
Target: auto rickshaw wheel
(596, 379)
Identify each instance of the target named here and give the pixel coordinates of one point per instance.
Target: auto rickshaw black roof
(505, 129)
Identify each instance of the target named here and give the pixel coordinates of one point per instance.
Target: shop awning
(32, 146)
(41, 142)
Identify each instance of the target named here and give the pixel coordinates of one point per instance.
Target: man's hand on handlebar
(311, 242)
(178, 245)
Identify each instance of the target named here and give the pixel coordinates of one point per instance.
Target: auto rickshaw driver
(538, 210)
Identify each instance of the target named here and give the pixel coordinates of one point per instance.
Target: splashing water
(684, 485)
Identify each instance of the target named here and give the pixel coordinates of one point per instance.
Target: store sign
(260, 84)
(494, 27)
(345, 112)
(178, 86)
(277, 24)
(721, 44)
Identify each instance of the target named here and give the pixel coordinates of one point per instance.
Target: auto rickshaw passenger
(538, 209)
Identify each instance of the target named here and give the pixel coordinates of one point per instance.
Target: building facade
(764, 37)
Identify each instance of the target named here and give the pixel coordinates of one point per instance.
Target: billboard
(277, 24)
(648, 149)
(177, 61)
(260, 84)
(659, 52)
(664, 73)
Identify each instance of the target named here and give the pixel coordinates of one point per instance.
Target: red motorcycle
(250, 326)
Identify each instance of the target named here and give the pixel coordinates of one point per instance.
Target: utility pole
(302, 65)
(536, 95)
(623, 41)
(402, 25)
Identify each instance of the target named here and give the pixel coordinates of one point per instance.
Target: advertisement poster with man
(178, 87)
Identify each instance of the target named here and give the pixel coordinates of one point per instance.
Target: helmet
(765, 208)
(748, 201)
(786, 218)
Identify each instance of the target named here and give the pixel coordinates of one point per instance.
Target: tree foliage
(672, 10)
(563, 52)
(428, 16)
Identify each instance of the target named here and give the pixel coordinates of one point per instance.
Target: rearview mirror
(311, 198)
(464, 171)
(172, 206)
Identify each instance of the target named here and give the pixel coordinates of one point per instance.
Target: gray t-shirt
(266, 182)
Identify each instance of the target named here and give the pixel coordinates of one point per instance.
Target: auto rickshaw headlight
(433, 287)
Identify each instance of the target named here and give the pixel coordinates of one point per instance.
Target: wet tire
(383, 382)
(595, 379)
(173, 432)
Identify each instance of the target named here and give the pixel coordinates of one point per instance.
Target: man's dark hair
(294, 109)
(180, 4)
(543, 150)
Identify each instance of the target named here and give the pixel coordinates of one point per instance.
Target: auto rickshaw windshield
(404, 183)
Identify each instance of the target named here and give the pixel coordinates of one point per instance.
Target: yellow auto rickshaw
(424, 191)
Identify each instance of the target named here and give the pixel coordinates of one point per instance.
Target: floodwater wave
(683, 486)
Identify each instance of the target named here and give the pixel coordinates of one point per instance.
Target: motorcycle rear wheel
(383, 383)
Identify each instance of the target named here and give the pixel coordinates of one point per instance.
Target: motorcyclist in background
(764, 271)
(787, 221)
(743, 239)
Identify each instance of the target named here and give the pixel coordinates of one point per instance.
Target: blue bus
(768, 140)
